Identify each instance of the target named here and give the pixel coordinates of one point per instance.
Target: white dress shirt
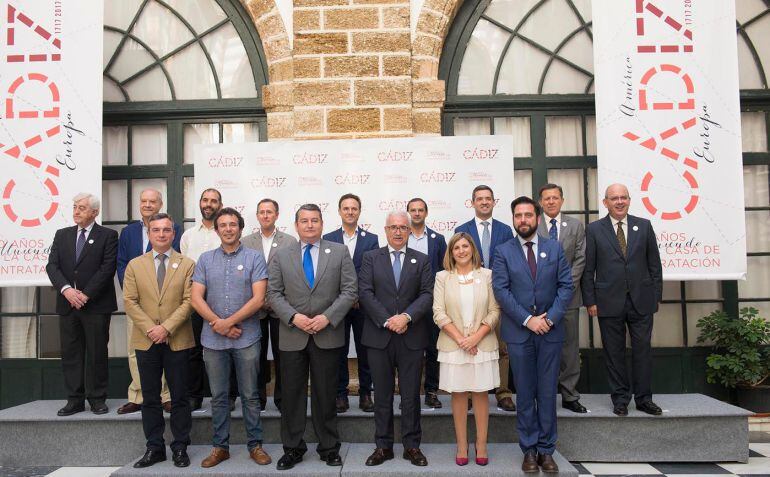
(400, 257)
(480, 228)
(350, 241)
(197, 240)
(267, 243)
(548, 225)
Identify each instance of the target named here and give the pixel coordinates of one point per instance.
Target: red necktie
(531, 259)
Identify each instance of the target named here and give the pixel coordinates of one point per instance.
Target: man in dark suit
(571, 235)
(433, 244)
(622, 285)
(268, 240)
(311, 287)
(358, 241)
(81, 266)
(396, 293)
(532, 283)
(133, 243)
(487, 234)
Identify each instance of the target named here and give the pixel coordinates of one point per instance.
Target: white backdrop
(668, 126)
(51, 126)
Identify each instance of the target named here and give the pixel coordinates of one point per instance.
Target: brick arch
(428, 92)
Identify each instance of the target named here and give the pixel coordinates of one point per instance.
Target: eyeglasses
(399, 228)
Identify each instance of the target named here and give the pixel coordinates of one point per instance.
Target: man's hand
(74, 297)
(317, 323)
(221, 326)
(158, 334)
(538, 324)
(235, 333)
(356, 305)
(397, 324)
(592, 311)
(302, 322)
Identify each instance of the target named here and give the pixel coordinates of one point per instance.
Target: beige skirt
(462, 372)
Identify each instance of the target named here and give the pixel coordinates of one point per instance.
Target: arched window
(525, 68)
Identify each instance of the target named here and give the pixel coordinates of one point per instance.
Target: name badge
(363, 234)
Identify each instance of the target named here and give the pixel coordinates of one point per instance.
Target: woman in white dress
(465, 310)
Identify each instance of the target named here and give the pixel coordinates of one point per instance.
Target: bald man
(622, 285)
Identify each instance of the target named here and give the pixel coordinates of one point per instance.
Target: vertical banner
(668, 126)
(385, 173)
(51, 126)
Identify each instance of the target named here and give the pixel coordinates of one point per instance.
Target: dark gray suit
(269, 324)
(333, 293)
(572, 239)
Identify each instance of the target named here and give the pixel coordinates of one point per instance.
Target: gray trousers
(569, 372)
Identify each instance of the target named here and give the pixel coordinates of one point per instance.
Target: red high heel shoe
(481, 460)
(461, 461)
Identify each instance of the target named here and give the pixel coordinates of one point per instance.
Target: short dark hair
(265, 201)
(309, 207)
(229, 211)
(550, 186)
(160, 216)
(349, 196)
(211, 189)
(417, 199)
(481, 187)
(526, 200)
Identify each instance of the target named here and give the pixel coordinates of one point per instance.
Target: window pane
(115, 200)
(111, 41)
(231, 63)
(201, 14)
(757, 283)
(758, 231)
(115, 145)
(522, 182)
(759, 33)
(748, 71)
(138, 185)
(191, 75)
(519, 129)
(562, 78)
(118, 345)
(480, 61)
(593, 181)
(521, 69)
(150, 86)
(756, 188)
(132, 58)
(112, 93)
(747, 9)
(753, 132)
(160, 29)
(17, 299)
(696, 311)
(236, 133)
(509, 12)
(667, 326)
(571, 181)
(471, 126)
(198, 134)
(48, 299)
(190, 199)
(119, 14)
(559, 19)
(148, 145)
(50, 343)
(591, 135)
(19, 337)
(563, 136)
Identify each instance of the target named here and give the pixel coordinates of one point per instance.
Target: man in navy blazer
(433, 244)
(483, 201)
(622, 284)
(533, 284)
(132, 243)
(357, 241)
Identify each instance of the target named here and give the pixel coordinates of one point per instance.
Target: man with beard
(533, 285)
(134, 242)
(196, 240)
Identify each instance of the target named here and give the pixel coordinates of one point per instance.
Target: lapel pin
(363, 234)
(175, 265)
(477, 281)
(542, 254)
(327, 251)
(635, 228)
(432, 235)
(239, 267)
(564, 224)
(414, 260)
(274, 245)
(90, 240)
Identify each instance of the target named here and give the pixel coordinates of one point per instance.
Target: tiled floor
(758, 466)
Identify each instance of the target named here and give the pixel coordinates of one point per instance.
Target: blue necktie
(80, 244)
(307, 265)
(397, 266)
(552, 232)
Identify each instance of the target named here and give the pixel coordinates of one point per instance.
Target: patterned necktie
(307, 265)
(161, 270)
(553, 231)
(80, 244)
(397, 266)
(531, 259)
(622, 239)
(485, 244)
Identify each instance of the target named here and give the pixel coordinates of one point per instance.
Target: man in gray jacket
(311, 286)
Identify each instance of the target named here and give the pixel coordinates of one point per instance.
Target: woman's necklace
(464, 279)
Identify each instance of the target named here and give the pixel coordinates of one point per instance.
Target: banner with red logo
(668, 126)
(51, 134)
(385, 173)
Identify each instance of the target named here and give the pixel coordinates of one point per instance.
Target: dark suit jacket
(517, 293)
(92, 274)
(366, 241)
(380, 299)
(130, 245)
(608, 276)
(436, 250)
(500, 233)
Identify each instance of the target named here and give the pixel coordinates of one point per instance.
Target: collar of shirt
(236, 252)
(88, 229)
(548, 220)
(268, 237)
(345, 235)
(623, 221)
(391, 250)
(479, 224)
(420, 237)
(202, 227)
(532, 239)
(303, 244)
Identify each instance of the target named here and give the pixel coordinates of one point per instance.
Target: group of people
(204, 304)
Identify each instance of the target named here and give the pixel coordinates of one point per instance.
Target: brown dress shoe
(217, 456)
(259, 455)
(529, 464)
(129, 408)
(379, 456)
(546, 462)
(506, 404)
(167, 406)
(415, 456)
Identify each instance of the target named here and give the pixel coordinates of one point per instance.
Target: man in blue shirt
(228, 290)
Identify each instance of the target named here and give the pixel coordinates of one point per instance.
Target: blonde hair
(449, 259)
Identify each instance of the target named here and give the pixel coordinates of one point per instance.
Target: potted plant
(741, 357)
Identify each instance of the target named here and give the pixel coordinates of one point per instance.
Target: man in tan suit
(157, 293)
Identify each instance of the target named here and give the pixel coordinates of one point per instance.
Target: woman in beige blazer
(465, 310)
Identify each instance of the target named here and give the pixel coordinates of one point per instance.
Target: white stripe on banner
(668, 126)
(385, 173)
(50, 126)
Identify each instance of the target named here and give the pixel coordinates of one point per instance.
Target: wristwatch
(408, 317)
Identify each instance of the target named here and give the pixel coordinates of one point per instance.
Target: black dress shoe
(99, 407)
(506, 404)
(180, 458)
(379, 456)
(262, 405)
(431, 400)
(650, 408)
(195, 404)
(416, 457)
(71, 408)
(277, 404)
(232, 404)
(289, 460)
(620, 409)
(574, 406)
(342, 404)
(332, 459)
(365, 403)
(149, 458)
